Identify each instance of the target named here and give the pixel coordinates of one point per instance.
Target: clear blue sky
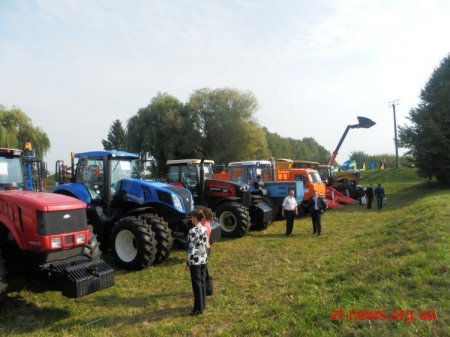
(74, 66)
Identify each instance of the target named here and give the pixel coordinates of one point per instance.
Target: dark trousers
(369, 203)
(198, 280)
(290, 216)
(316, 216)
(380, 202)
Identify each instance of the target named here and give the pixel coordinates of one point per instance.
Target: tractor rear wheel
(3, 284)
(163, 235)
(234, 219)
(133, 243)
(92, 248)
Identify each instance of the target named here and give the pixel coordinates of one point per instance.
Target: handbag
(363, 200)
(384, 201)
(209, 286)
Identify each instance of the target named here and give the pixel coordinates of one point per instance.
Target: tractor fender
(141, 210)
(226, 200)
(76, 190)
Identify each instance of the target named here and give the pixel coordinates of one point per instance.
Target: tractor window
(300, 177)
(251, 174)
(189, 177)
(173, 174)
(10, 171)
(265, 173)
(90, 173)
(123, 169)
(315, 177)
(237, 174)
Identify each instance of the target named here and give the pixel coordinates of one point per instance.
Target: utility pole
(393, 104)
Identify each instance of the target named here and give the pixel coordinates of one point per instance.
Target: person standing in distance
(369, 196)
(379, 193)
(289, 211)
(316, 208)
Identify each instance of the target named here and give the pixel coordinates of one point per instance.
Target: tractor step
(80, 276)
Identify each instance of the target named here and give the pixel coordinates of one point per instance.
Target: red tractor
(48, 234)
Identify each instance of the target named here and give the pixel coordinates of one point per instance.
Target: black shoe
(195, 313)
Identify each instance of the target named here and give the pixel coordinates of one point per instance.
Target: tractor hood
(42, 201)
(144, 192)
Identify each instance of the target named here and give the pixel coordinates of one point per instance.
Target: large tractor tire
(3, 284)
(92, 248)
(133, 243)
(234, 219)
(163, 236)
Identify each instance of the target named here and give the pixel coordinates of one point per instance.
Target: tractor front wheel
(92, 248)
(133, 243)
(163, 236)
(234, 219)
(3, 284)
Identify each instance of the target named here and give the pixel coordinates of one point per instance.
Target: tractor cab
(186, 172)
(252, 172)
(11, 172)
(96, 173)
(259, 174)
(21, 170)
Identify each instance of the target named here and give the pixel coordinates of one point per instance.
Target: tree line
(217, 124)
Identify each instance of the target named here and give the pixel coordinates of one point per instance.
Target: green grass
(268, 285)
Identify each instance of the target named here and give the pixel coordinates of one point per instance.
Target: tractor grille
(247, 198)
(60, 222)
(185, 196)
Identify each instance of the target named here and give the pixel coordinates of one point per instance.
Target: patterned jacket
(197, 246)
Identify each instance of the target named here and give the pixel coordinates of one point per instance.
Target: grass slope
(268, 285)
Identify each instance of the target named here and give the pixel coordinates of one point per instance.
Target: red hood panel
(41, 200)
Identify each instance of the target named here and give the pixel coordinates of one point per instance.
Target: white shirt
(289, 203)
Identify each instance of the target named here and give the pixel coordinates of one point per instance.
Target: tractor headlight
(56, 242)
(81, 238)
(177, 203)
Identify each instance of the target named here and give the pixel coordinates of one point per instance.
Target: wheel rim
(126, 246)
(228, 221)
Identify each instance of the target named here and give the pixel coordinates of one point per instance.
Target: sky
(75, 66)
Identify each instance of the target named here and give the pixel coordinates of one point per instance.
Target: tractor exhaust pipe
(202, 182)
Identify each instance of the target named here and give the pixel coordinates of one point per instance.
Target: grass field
(368, 265)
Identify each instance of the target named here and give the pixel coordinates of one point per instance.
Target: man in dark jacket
(379, 193)
(316, 208)
(369, 196)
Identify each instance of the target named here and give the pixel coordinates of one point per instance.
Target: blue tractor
(137, 220)
(259, 174)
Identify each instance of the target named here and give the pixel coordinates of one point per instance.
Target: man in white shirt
(289, 211)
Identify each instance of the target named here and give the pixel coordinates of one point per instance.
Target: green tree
(289, 148)
(163, 130)
(116, 137)
(428, 136)
(226, 122)
(16, 129)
